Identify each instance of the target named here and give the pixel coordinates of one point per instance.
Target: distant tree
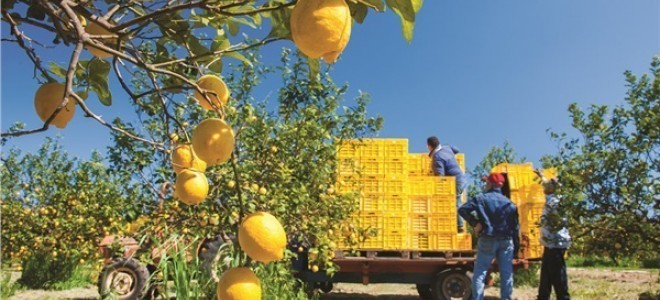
(610, 173)
(496, 155)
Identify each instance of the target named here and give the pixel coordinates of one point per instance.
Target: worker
(494, 219)
(444, 163)
(555, 239)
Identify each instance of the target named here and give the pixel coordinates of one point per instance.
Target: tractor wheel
(123, 279)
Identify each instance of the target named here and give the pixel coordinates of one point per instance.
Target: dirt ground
(591, 284)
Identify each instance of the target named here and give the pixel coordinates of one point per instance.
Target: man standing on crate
(495, 221)
(444, 163)
(555, 240)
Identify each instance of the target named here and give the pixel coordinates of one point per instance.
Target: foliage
(284, 161)
(56, 208)
(7, 287)
(495, 156)
(610, 174)
(174, 42)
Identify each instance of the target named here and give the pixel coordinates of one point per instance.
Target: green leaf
(243, 21)
(98, 80)
(195, 46)
(375, 4)
(406, 11)
(417, 5)
(221, 42)
(216, 65)
(232, 27)
(358, 11)
(238, 56)
(281, 23)
(57, 70)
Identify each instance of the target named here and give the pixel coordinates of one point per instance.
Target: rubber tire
(325, 287)
(130, 266)
(456, 279)
(424, 291)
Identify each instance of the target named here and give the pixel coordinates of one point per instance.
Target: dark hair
(433, 141)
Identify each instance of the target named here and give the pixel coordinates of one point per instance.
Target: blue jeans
(487, 249)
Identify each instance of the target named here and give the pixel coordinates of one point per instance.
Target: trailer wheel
(325, 287)
(424, 291)
(453, 284)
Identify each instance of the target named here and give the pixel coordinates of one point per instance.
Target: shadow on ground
(358, 296)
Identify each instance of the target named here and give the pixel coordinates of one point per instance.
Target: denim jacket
(496, 213)
(444, 163)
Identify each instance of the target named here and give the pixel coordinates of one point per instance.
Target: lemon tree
(56, 208)
(283, 163)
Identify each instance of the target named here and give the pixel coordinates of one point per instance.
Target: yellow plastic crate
(395, 222)
(426, 165)
(433, 222)
(415, 165)
(445, 241)
(517, 197)
(443, 204)
(348, 166)
(530, 215)
(373, 242)
(446, 222)
(370, 166)
(420, 222)
(535, 251)
(396, 203)
(395, 148)
(464, 241)
(549, 173)
(372, 203)
(349, 149)
(372, 149)
(368, 220)
(432, 185)
(395, 240)
(533, 194)
(384, 184)
(422, 241)
(460, 158)
(433, 204)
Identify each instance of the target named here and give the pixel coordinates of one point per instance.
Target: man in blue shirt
(495, 219)
(444, 163)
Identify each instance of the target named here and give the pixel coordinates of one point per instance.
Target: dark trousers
(553, 274)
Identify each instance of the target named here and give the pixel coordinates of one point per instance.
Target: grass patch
(621, 263)
(7, 287)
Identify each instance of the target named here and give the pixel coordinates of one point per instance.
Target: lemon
(213, 141)
(191, 187)
(262, 237)
(321, 28)
(48, 97)
(239, 283)
(183, 157)
(216, 90)
(96, 29)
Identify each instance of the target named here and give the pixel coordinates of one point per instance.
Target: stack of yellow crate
(377, 169)
(400, 196)
(527, 194)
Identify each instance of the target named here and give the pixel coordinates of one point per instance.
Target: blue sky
(476, 73)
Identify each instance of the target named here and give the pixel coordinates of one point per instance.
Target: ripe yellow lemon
(216, 91)
(321, 28)
(191, 187)
(239, 283)
(48, 97)
(262, 237)
(184, 157)
(96, 29)
(213, 141)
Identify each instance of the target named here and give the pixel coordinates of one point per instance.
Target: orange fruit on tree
(216, 90)
(321, 28)
(213, 141)
(48, 97)
(262, 237)
(239, 283)
(191, 187)
(184, 157)
(96, 29)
